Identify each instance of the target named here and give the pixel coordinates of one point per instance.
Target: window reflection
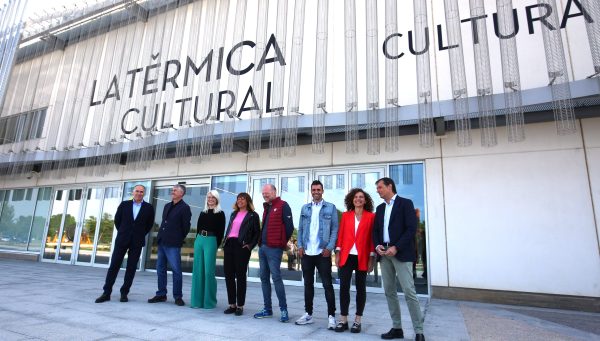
(40, 217)
(90, 223)
(71, 220)
(54, 226)
(195, 197)
(15, 220)
(409, 179)
(228, 186)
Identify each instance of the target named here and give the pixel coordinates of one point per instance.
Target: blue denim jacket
(328, 226)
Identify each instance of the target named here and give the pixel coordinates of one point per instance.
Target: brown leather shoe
(179, 302)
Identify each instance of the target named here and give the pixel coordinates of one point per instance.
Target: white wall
(519, 217)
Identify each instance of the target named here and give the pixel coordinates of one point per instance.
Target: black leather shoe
(103, 298)
(229, 310)
(157, 299)
(355, 327)
(341, 326)
(420, 337)
(239, 311)
(393, 334)
(179, 302)
(124, 298)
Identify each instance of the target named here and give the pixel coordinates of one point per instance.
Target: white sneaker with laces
(304, 319)
(331, 324)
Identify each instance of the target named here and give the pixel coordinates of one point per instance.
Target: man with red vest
(277, 228)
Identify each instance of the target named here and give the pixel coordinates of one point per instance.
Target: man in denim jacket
(317, 234)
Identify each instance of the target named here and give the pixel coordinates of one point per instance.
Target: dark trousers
(133, 255)
(323, 265)
(345, 273)
(235, 266)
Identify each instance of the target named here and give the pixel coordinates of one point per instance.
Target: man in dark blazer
(133, 220)
(394, 237)
(174, 227)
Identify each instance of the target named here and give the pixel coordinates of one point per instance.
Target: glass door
(410, 183)
(87, 235)
(97, 228)
(294, 189)
(336, 184)
(365, 179)
(64, 222)
(196, 191)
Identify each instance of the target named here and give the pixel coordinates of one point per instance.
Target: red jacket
(363, 238)
(278, 232)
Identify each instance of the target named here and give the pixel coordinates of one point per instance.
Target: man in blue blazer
(394, 237)
(133, 220)
(174, 227)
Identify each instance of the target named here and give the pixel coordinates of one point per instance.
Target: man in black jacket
(174, 227)
(133, 220)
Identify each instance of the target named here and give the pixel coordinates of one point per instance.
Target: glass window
(26, 130)
(334, 189)
(366, 180)
(11, 130)
(128, 191)
(294, 190)
(22, 127)
(195, 197)
(40, 217)
(104, 235)
(3, 132)
(71, 221)
(229, 186)
(56, 218)
(90, 223)
(16, 218)
(410, 184)
(2, 193)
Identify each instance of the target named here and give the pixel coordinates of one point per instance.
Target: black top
(212, 222)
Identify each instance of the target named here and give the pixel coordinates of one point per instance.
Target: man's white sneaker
(331, 323)
(305, 319)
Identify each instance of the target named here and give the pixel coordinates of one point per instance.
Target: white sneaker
(305, 319)
(331, 324)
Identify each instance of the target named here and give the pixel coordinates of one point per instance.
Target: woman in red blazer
(355, 252)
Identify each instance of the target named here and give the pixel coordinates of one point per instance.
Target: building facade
(488, 121)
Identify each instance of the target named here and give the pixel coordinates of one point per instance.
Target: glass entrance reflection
(90, 225)
(195, 197)
(98, 224)
(104, 234)
(56, 221)
(64, 221)
(293, 188)
(70, 223)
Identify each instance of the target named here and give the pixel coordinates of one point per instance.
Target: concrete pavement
(44, 301)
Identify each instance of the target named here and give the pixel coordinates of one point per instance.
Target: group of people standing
(363, 236)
